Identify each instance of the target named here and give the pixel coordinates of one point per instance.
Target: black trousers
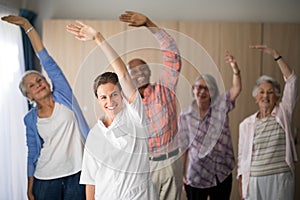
(219, 192)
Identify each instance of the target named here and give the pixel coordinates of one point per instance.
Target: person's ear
(256, 101)
(29, 97)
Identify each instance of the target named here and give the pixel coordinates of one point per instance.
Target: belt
(164, 156)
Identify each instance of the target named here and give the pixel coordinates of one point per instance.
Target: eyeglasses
(201, 87)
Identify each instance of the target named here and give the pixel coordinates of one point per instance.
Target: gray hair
(266, 79)
(211, 83)
(22, 87)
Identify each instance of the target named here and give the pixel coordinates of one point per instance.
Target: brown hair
(106, 77)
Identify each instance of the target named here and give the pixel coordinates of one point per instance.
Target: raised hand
(133, 18)
(229, 59)
(82, 31)
(17, 20)
(236, 87)
(265, 49)
(33, 35)
(285, 69)
(85, 32)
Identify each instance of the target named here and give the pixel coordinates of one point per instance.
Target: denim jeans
(65, 188)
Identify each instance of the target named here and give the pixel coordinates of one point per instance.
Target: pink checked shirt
(160, 100)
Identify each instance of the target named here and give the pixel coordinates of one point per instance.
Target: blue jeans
(65, 188)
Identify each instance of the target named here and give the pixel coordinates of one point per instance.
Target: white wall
(191, 10)
(11, 3)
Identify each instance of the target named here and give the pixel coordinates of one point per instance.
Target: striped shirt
(208, 142)
(283, 112)
(268, 156)
(160, 101)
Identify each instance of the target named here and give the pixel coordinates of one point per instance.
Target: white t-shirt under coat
(62, 150)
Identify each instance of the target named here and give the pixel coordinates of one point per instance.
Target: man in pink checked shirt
(160, 105)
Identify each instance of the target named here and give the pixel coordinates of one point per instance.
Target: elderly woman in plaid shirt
(204, 133)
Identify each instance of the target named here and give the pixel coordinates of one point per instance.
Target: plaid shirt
(208, 142)
(160, 100)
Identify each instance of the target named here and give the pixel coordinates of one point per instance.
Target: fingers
(71, 28)
(258, 47)
(74, 30)
(17, 20)
(10, 19)
(4, 18)
(229, 57)
(7, 18)
(130, 12)
(81, 31)
(227, 53)
(133, 18)
(80, 38)
(77, 26)
(126, 17)
(252, 46)
(80, 23)
(264, 49)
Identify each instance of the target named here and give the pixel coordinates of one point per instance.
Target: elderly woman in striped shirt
(266, 150)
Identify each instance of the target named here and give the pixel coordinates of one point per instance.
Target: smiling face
(110, 98)
(37, 88)
(139, 72)
(201, 92)
(266, 97)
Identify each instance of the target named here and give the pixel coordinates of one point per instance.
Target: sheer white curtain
(13, 151)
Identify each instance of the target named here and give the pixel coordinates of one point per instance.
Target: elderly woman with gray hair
(55, 127)
(205, 137)
(266, 150)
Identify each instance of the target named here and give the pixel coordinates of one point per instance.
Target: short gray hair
(211, 83)
(266, 79)
(21, 84)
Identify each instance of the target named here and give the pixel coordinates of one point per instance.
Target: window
(13, 106)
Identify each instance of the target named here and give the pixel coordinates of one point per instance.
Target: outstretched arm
(285, 69)
(28, 28)
(135, 19)
(85, 32)
(171, 55)
(236, 87)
